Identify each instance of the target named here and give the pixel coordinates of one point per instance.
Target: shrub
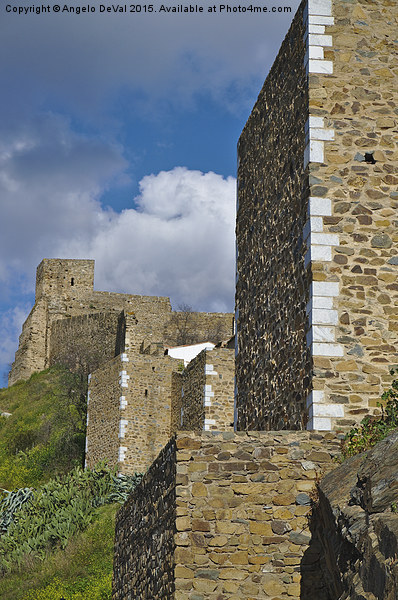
(374, 429)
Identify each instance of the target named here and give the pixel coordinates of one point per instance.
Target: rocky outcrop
(355, 527)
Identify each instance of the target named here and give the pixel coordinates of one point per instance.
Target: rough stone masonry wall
(86, 341)
(192, 327)
(145, 530)
(145, 402)
(353, 103)
(273, 366)
(203, 394)
(103, 414)
(32, 347)
(241, 527)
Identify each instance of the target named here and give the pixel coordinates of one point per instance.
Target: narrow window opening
(369, 158)
(72, 281)
(146, 392)
(153, 368)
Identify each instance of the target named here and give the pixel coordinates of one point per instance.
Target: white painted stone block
(324, 239)
(320, 20)
(323, 316)
(122, 453)
(122, 402)
(321, 333)
(325, 288)
(319, 302)
(321, 134)
(314, 224)
(316, 28)
(317, 39)
(326, 410)
(319, 206)
(319, 424)
(209, 370)
(320, 7)
(316, 151)
(89, 378)
(316, 396)
(320, 66)
(319, 349)
(124, 357)
(319, 253)
(122, 427)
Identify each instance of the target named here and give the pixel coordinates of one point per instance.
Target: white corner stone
(122, 402)
(326, 410)
(318, 253)
(316, 133)
(319, 333)
(319, 206)
(320, 66)
(325, 288)
(323, 316)
(122, 453)
(319, 349)
(324, 239)
(312, 28)
(320, 20)
(319, 424)
(320, 7)
(316, 396)
(319, 302)
(124, 357)
(317, 39)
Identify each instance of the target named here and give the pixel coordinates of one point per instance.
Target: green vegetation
(82, 571)
(57, 526)
(374, 429)
(45, 434)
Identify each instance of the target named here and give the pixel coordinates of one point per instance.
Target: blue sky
(118, 141)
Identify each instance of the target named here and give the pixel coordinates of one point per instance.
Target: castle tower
(317, 229)
(56, 276)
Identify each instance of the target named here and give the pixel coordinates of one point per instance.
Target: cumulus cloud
(176, 241)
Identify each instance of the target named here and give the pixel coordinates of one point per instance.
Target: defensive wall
(65, 315)
(224, 515)
(317, 290)
(137, 401)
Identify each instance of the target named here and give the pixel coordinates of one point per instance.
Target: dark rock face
(355, 528)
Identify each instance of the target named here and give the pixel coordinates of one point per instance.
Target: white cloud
(178, 241)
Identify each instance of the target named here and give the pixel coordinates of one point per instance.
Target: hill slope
(45, 434)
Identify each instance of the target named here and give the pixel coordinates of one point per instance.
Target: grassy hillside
(41, 444)
(45, 434)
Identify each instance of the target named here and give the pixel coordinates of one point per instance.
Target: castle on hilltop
(223, 511)
(135, 349)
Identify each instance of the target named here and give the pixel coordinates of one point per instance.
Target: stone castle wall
(32, 346)
(69, 340)
(316, 234)
(273, 365)
(357, 107)
(145, 547)
(145, 426)
(222, 515)
(64, 292)
(103, 415)
(204, 394)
